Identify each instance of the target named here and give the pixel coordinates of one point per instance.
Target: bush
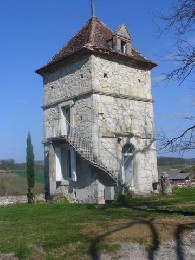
(125, 199)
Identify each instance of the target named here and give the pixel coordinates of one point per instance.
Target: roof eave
(142, 63)
(53, 66)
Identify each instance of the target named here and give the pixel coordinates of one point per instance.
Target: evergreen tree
(30, 169)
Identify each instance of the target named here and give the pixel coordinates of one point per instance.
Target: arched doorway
(127, 164)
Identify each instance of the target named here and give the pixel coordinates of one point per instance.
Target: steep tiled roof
(94, 35)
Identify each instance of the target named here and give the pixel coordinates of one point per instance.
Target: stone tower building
(98, 117)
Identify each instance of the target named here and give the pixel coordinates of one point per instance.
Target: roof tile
(93, 35)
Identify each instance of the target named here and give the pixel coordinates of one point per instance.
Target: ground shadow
(179, 234)
(93, 249)
(154, 247)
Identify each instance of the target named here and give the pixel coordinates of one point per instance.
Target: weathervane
(92, 8)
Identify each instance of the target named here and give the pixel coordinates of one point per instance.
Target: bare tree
(180, 22)
(183, 142)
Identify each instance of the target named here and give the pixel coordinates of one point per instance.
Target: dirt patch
(145, 238)
(173, 250)
(147, 231)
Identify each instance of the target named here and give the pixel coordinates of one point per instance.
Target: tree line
(7, 164)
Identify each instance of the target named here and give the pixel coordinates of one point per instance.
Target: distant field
(15, 183)
(39, 176)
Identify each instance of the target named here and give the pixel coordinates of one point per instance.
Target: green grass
(51, 226)
(57, 231)
(39, 175)
(172, 204)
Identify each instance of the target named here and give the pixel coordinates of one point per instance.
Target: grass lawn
(80, 231)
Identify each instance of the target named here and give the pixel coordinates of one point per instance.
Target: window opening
(127, 164)
(123, 46)
(127, 149)
(69, 164)
(65, 120)
(58, 158)
(110, 43)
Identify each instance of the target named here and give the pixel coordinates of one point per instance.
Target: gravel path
(180, 250)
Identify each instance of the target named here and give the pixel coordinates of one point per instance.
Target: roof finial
(92, 8)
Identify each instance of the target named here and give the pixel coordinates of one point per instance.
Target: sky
(33, 31)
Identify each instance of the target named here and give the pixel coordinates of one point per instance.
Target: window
(65, 163)
(68, 166)
(58, 157)
(65, 117)
(127, 164)
(65, 121)
(123, 46)
(128, 149)
(72, 164)
(110, 43)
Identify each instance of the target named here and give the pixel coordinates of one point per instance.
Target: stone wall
(81, 118)
(119, 115)
(124, 109)
(68, 81)
(115, 77)
(61, 87)
(8, 200)
(86, 189)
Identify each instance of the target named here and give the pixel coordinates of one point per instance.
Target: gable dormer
(121, 40)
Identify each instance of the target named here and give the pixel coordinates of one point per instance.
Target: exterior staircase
(84, 148)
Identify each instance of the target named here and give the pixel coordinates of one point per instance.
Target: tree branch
(182, 142)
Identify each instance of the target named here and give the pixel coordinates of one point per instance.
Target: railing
(83, 146)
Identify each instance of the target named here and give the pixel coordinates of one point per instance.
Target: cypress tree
(30, 169)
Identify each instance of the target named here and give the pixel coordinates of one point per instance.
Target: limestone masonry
(99, 137)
